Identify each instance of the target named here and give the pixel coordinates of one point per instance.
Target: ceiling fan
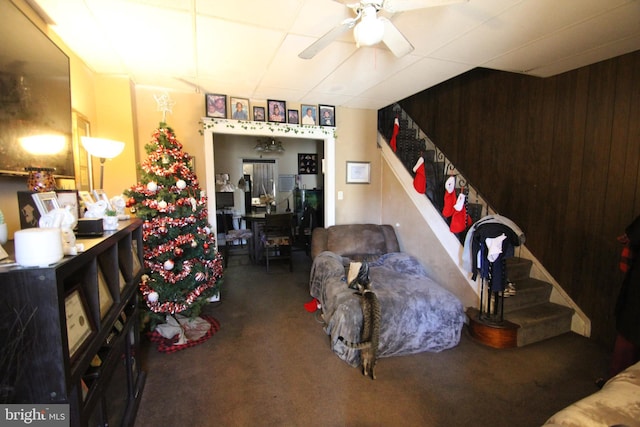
(373, 29)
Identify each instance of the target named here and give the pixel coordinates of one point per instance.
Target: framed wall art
(276, 110)
(327, 115)
(239, 108)
(216, 105)
(307, 163)
(292, 117)
(258, 114)
(358, 172)
(309, 114)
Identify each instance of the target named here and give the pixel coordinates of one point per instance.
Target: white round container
(38, 247)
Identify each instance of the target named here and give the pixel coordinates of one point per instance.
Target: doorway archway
(211, 127)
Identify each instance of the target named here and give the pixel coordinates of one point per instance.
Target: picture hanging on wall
(307, 163)
(258, 114)
(216, 105)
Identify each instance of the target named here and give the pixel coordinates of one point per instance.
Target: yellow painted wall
(115, 120)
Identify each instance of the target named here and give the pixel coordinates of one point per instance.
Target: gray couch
(417, 313)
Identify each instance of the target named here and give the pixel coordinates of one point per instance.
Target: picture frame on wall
(309, 114)
(216, 105)
(358, 172)
(276, 111)
(327, 115)
(293, 117)
(258, 114)
(307, 164)
(239, 108)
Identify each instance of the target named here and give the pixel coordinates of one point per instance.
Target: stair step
(540, 322)
(529, 292)
(518, 269)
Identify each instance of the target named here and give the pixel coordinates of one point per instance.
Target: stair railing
(441, 165)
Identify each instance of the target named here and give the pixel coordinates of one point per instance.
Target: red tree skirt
(166, 345)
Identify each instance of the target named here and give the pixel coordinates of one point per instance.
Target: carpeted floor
(270, 365)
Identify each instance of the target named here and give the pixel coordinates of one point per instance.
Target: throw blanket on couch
(417, 314)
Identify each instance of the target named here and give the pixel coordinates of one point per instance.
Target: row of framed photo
(276, 111)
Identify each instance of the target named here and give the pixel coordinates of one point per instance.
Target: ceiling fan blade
(326, 39)
(393, 6)
(395, 41)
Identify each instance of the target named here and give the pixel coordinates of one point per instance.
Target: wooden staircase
(529, 316)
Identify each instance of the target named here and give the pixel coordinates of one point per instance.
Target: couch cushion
(356, 239)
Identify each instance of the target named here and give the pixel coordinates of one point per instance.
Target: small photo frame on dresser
(100, 194)
(46, 201)
(79, 324)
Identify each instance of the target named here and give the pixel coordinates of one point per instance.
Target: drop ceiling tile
(521, 24)
(601, 53)
(287, 70)
(274, 14)
(569, 42)
(362, 70)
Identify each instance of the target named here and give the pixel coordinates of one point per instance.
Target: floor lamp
(103, 149)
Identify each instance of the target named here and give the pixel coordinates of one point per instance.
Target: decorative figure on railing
(420, 180)
(460, 220)
(396, 129)
(449, 197)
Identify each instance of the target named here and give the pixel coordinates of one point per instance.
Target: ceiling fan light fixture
(370, 30)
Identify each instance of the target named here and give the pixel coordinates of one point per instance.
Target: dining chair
(277, 238)
(236, 242)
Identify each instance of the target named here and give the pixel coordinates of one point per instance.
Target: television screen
(224, 200)
(35, 95)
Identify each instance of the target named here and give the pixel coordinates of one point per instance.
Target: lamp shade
(370, 29)
(101, 147)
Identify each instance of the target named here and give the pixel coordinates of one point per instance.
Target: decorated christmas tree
(183, 268)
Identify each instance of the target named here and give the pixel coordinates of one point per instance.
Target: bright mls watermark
(34, 415)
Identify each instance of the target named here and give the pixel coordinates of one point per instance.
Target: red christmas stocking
(449, 197)
(460, 219)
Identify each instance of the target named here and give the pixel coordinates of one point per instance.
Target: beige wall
(356, 140)
(419, 239)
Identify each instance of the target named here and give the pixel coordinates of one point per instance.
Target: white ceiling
(249, 48)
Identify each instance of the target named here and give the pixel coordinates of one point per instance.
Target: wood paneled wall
(559, 156)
